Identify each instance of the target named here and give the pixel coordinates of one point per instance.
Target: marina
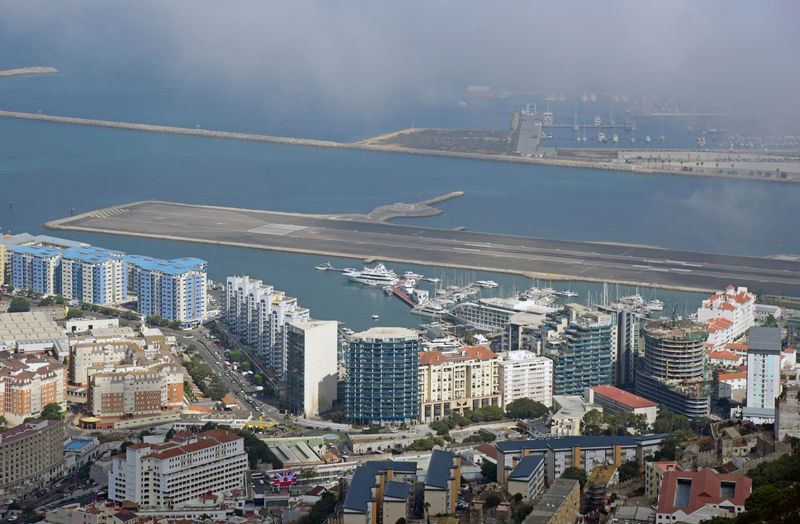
(533, 257)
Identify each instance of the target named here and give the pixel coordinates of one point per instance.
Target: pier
(533, 257)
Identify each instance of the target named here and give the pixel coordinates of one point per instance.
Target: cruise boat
(373, 276)
(324, 267)
(655, 305)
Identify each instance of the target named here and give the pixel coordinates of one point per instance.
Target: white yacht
(601, 137)
(615, 138)
(411, 274)
(655, 305)
(598, 121)
(324, 267)
(648, 139)
(433, 280)
(373, 276)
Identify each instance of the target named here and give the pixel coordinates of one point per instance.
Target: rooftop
(623, 397)
(439, 469)
(38, 251)
(429, 358)
(91, 254)
(396, 490)
(689, 490)
(177, 266)
(28, 326)
(583, 442)
(764, 340)
(386, 333)
(526, 467)
(26, 429)
(551, 501)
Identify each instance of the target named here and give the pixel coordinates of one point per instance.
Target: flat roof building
(763, 374)
(561, 504)
(32, 331)
(31, 455)
(312, 370)
(615, 400)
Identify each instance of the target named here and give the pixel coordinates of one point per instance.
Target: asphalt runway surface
(543, 258)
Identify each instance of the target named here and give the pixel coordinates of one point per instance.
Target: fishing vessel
(373, 276)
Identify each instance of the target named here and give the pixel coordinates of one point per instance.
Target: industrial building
(382, 385)
(32, 332)
(672, 371)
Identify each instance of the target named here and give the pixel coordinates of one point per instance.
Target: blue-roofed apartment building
(527, 477)
(36, 268)
(174, 290)
(443, 482)
(380, 491)
(94, 275)
(584, 453)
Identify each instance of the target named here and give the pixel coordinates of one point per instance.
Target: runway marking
(276, 229)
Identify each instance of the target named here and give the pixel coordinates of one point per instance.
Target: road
(536, 257)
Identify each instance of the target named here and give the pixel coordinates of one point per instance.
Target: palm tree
(427, 507)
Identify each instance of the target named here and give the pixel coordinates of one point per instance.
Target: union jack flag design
(285, 479)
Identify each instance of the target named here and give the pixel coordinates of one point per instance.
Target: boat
(487, 283)
(411, 274)
(615, 138)
(547, 117)
(375, 316)
(632, 139)
(598, 120)
(701, 141)
(584, 97)
(567, 293)
(661, 137)
(655, 305)
(373, 276)
(648, 139)
(409, 283)
(461, 103)
(324, 267)
(551, 98)
(601, 137)
(433, 280)
(431, 308)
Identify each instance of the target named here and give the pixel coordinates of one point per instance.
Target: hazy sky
(368, 52)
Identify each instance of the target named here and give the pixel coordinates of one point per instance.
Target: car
(12, 518)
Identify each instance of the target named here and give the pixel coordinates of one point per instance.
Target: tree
(669, 422)
(321, 510)
(491, 501)
(593, 423)
(575, 473)
(74, 313)
(628, 470)
(489, 471)
(521, 512)
(526, 408)
(246, 366)
(52, 411)
(235, 355)
(19, 305)
(3, 423)
(770, 321)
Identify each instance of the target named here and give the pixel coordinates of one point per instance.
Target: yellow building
(467, 379)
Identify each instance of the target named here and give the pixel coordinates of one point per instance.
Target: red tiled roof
(623, 397)
(487, 449)
(705, 489)
(723, 355)
(428, 358)
(667, 465)
(789, 350)
(735, 346)
(733, 376)
(220, 435)
(727, 306)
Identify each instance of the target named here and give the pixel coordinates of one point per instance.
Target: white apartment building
(312, 369)
(763, 374)
(179, 472)
(525, 375)
(455, 381)
(94, 275)
(258, 315)
(734, 304)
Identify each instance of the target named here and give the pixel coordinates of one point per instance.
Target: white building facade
(311, 366)
(737, 305)
(763, 374)
(526, 375)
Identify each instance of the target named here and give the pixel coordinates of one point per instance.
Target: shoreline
(366, 145)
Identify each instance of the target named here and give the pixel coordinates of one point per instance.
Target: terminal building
(382, 384)
(673, 371)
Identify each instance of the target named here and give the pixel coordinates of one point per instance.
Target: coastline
(368, 145)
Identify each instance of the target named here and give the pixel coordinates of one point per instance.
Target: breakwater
(366, 145)
(34, 70)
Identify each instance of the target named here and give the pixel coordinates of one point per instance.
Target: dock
(533, 257)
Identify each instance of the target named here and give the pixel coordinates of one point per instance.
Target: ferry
(327, 266)
(487, 283)
(373, 276)
(655, 305)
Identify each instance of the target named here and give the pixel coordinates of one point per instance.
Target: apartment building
(175, 290)
(37, 269)
(31, 455)
(258, 315)
(736, 305)
(523, 374)
(694, 496)
(29, 383)
(179, 472)
(379, 491)
(312, 371)
(763, 374)
(579, 341)
(456, 381)
(443, 482)
(94, 275)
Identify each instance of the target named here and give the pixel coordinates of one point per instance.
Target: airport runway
(543, 258)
